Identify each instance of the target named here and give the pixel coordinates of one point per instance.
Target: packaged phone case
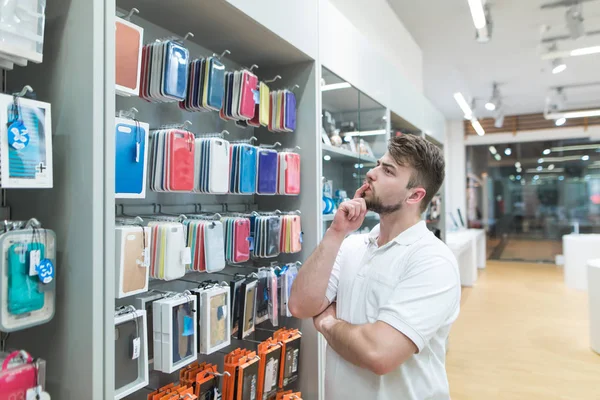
(131, 351)
(128, 46)
(247, 308)
(131, 154)
(268, 161)
(132, 259)
(18, 374)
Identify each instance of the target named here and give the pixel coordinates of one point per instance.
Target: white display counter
(593, 270)
(463, 245)
(577, 250)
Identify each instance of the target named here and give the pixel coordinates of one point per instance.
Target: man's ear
(417, 194)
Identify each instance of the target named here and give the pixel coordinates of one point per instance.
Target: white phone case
(219, 166)
(214, 246)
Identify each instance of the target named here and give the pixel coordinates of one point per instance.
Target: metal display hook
(133, 11)
(222, 54)
(26, 89)
(273, 80)
(128, 113)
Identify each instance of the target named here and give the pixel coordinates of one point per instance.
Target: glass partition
(533, 193)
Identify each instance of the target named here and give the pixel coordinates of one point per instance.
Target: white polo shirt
(412, 283)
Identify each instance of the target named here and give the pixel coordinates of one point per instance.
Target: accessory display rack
(77, 77)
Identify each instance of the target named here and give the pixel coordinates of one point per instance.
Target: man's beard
(376, 205)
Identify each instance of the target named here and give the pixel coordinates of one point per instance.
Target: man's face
(387, 182)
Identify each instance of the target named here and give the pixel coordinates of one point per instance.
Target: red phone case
(181, 161)
(242, 246)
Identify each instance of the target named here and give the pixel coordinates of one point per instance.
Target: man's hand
(326, 318)
(351, 214)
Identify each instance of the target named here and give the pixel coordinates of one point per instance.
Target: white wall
(378, 22)
(456, 175)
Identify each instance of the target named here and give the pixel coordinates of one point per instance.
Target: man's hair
(426, 160)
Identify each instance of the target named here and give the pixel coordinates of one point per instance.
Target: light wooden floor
(531, 250)
(522, 335)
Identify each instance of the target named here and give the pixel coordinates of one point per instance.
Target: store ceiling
(454, 61)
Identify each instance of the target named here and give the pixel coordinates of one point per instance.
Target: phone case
(128, 46)
(248, 308)
(174, 266)
(247, 105)
(130, 158)
(290, 111)
(219, 166)
(265, 104)
(214, 246)
(292, 173)
(248, 161)
(217, 85)
(242, 245)
(181, 165)
(132, 244)
(175, 74)
(267, 171)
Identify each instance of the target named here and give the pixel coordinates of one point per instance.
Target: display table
(478, 236)
(577, 250)
(463, 246)
(593, 270)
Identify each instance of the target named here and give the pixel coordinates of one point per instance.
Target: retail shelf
(370, 215)
(346, 156)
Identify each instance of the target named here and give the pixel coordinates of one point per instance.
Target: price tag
(45, 270)
(186, 256)
(35, 257)
(146, 255)
(18, 137)
(136, 345)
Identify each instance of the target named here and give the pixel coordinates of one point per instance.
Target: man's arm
(307, 297)
(376, 347)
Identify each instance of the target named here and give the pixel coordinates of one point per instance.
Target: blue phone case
(175, 74)
(267, 171)
(290, 111)
(24, 295)
(216, 84)
(248, 169)
(233, 169)
(129, 173)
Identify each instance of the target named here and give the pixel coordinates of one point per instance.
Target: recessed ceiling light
(536, 177)
(561, 178)
(508, 151)
(518, 177)
(558, 66)
(560, 121)
(550, 167)
(540, 161)
(327, 157)
(546, 152)
(539, 168)
(519, 170)
(490, 106)
(585, 158)
(517, 164)
(497, 157)
(493, 150)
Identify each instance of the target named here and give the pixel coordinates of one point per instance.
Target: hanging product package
(269, 352)
(131, 156)
(262, 296)
(175, 332)
(128, 45)
(172, 157)
(27, 279)
(289, 173)
(131, 351)
(22, 377)
(237, 239)
(266, 236)
(26, 143)
(242, 176)
(283, 111)
(22, 25)
(214, 320)
(291, 234)
(214, 245)
(132, 251)
(212, 162)
(164, 72)
(206, 85)
(168, 252)
(144, 302)
(268, 169)
(290, 360)
(247, 308)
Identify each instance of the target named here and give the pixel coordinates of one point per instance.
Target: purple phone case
(268, 161)
(290, 111)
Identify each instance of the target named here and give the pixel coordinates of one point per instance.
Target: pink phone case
(292, 173)
(249, 84)
(296, 232)
(15, 381)
(181, 160)
(242, 245)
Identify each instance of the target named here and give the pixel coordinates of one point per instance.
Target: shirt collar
(406, 238)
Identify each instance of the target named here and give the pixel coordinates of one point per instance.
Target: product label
(136, 344)
(34, 260)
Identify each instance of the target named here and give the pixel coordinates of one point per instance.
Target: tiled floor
(522, 335)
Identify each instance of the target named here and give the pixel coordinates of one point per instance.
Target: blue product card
(188, 326)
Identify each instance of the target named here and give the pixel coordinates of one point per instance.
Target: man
(384, 301)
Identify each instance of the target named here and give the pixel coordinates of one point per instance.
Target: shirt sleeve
(334, 278)
(424, 300)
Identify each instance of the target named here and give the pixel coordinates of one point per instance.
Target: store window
(527, 195)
